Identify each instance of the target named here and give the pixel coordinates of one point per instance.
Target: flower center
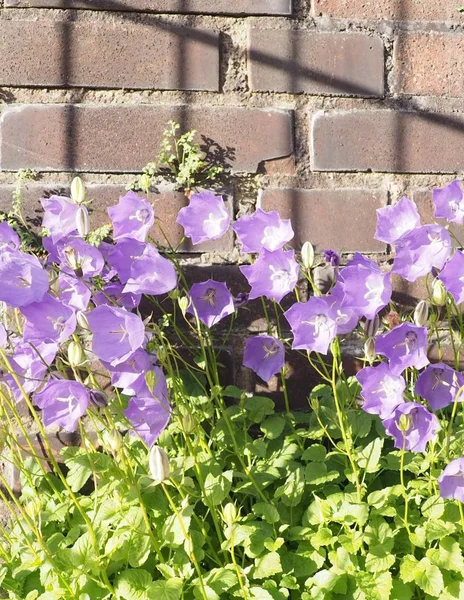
(209, 296)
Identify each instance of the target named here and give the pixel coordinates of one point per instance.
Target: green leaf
(82, 464)
(437, 529)
(401, 591)
(174, 526)
(273, 426)
(217, 488)
(258, 407)
(166, 590)
(322, 537)
(268, 511)
(408, 568)
(292, 491)
(429, 578)
(316, 474)
(315, 453)
(133, 584)
(369, 457)
(433, 507)
(448, 555)
(267, 566)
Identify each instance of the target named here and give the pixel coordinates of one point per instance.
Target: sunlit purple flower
(273, 274)
(30, 363)
(122, 256)
(205, 218)
(151, 274)
(117, 333)
(79, 258)
(129, 375)
(62, 402)
(263, 230)
(382, 391)
(396, 221)
(451, 480)
(211, 301)
(345, 315)
(113, 294)
(8, 237)
(366, 288)
(313, 324)
(359, 259)
(48, 319)
(3, 336)
(452, 276)
(449, 203)
(148, 418)
(420, 424)
(59, 217)
(73, 292)
(23, 280)
(132, 217)
(332, 258)
(265, 355)
(439, 385)
(404, 346)
(417, 252)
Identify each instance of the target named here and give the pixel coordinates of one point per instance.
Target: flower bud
(158, 463)
(82, 221)
(150, 380)
(307, 255)
(371, 326)
(314, 403)
(145, 182)
(404, 423)
(113, 440)
(438, 293)
(98, 398)
(82, 320)
(229, 514)
(77, 190)
(183, 304)
(421, 314)
(188, 423)
(369, 349)
(76, 354)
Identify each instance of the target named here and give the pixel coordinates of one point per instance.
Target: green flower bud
(82, 320)
(76, 354)
(158, 463)
(183, 304)
(307, 255)
(404, 423)
(229, 514)
(438, 293)
(188, 423)
(371, 326)
(113, 441)
(145, 182)
(82, 221)
(369, 349)
(421, 313)
(150, 380)
(77, 190)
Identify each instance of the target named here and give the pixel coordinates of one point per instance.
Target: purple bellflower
(394, 222)
(151, 273)
(113, 295)
(263, 230)
(73, 292)
(404, 346)
(76, 257)
(148, 418)
(265, 355)
(382, 391)
(24, 281)
(211, 301)
(412, 426)
(8, 237)
(332, 258)
(59, 217)
(132, 217)
(449, 203)
(451, 481)
(452, 276)
(366, 288)
(48, 319)
(129, 375)
(122, 256)
(439, 384)
(62, 402)
(205, 218)
(273, 274)
(313, 324)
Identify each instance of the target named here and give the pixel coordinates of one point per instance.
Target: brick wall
(333, 107)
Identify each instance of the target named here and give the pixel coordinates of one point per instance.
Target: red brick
(167, 206)
(237, 7)
(430, 64)
(321, 217)
(388, 141)
(296, 61)
(399, 10)
(424, 201)
(103, 55)
(125, 138)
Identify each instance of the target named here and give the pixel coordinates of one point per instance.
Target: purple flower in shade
(422, 426)
(122, 256)
(30, 363)
(313, 324)
(8, 237)
(73, 292)
(62, 402)
(205, 218)
(129, 375)
(132, 217)
(151, 274)
(241, 299)
(113, 295)
(59, 217)
(439, 385)
(273, 274)
(332, 258)
(49, 319)
(148, 418)
(117, 333)
(23, 279)
(359, 259)
(211, 301)
(449, 203)
(77, 257)
(404, 346)
(451, 481)
(382, 391)
(366, 288)
(394, 222)
(421, 250)
(263, 230)
(265, 355)
(453, 276)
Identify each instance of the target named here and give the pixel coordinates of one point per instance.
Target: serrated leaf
(133, 584)
(316, 474)
(368, 458)
(217, 488)
(407, 568)
(258, 407)
(429, 578)
(268, 511)
(315, 453)
(292, 491)
(273, 426)
(166, 590)
(433, 507)
(267, 566)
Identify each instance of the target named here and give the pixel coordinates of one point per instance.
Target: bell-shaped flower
(129, 375)
(62, 402)
(412, 426)
(265, 355)
(313, 324)
(73, 292)
(205, 218)
(151, 274)
(113, 294)
(117, 333)
(449, 203)
(404, 346)
(8, 237)
(366, 288)
(48, 319)
(273, 274)
(439, 384)
(132, 217)
(24, 281)
(396, 221)
(76, 257)
(59, 217)
(263, 230)
(452, 276)
(451, 480)
(148, 418)
(211, 301)
(122, 255)
(381, 390)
